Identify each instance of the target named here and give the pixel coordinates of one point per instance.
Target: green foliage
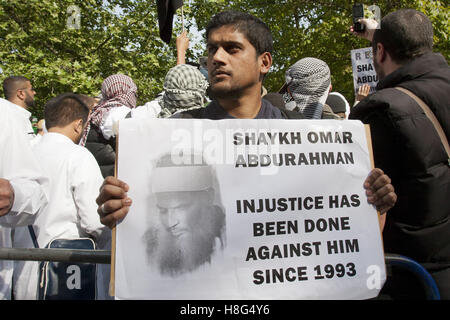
(439, 14)
(122, 36)
(37, 43)
(320, 28)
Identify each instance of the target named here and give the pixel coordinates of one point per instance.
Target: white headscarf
(308, 82)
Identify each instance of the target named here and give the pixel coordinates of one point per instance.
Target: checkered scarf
(117, 90)
(184, 88)
(308, 84)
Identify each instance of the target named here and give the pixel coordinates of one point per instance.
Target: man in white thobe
(75, 179)
(23, 186)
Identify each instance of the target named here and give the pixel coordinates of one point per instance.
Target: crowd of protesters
(49, 183)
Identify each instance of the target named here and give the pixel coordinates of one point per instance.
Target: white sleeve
(149, 110)
(19, 165)
(110, 123)
(29, 200)
(86, 180)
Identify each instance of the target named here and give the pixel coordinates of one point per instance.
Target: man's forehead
(227, 33)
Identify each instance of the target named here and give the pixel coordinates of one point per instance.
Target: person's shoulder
(327, 113)
(5, 109)
(12, 111)
(377, 102)
(196, 113)
(386, 97)
(119, 112)
(150, 109)
(4, 103)
(288, 114)
(269, 111)
(83, 168)
(82, 154)
(189, 114)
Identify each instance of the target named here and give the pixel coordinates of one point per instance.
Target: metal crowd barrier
(58, 255)
(405, 263)
(104, 257)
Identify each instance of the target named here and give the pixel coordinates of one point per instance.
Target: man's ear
(20, 94)
(78, 126)
(266, 62)
(381, 53)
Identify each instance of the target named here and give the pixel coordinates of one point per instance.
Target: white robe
(19, 166)
(75, 180)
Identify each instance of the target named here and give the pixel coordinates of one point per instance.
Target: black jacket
(103, 151)
(408, 149)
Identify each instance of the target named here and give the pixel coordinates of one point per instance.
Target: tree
(113, 37)
(122, 36)
(320, 28)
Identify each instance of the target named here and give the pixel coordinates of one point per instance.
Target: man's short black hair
(12, 84)
(254, 29)
(64, 109)
(405, 34)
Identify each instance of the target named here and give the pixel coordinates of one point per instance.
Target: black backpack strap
(33, 236)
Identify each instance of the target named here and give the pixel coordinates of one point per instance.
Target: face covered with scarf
(117, 90)
(184, 88)
(308, 82)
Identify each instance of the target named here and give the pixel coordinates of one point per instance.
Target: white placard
(279, 211)
(363, 69)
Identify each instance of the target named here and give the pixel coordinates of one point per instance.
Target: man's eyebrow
(224, 43)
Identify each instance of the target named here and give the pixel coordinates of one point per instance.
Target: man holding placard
(238, 60)
(236, 98)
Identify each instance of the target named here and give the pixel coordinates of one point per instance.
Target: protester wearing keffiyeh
(184, 89)
(307, 85)
(117, 90)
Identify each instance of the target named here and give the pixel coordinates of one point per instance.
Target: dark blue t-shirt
(214, 111)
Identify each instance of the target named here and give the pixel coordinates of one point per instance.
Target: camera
(358, 13)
